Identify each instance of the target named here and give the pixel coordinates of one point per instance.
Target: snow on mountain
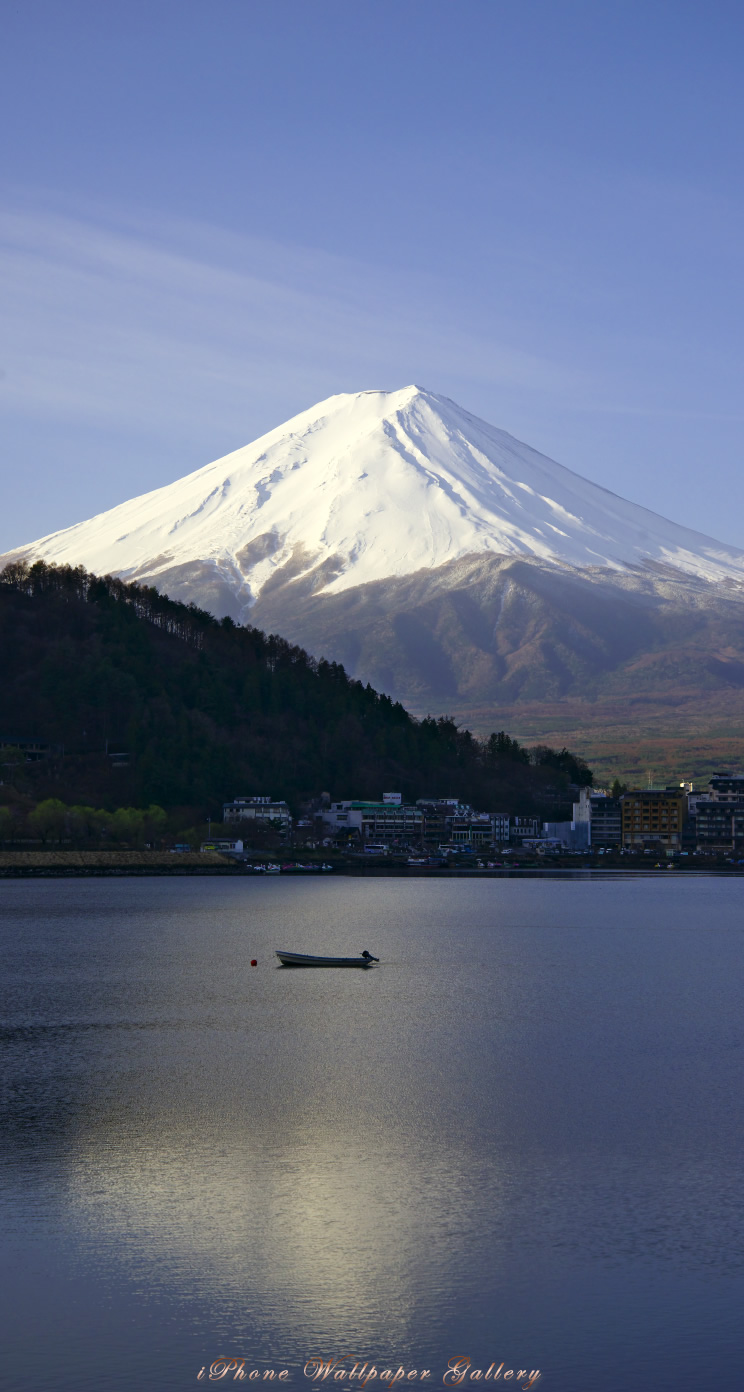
(366, 486)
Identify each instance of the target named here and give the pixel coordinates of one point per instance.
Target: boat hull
(301, 959)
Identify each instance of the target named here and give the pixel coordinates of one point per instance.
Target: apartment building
(653, 816)
(606, 822)
(719, 825)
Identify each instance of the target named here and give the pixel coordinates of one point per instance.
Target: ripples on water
(519, 1138)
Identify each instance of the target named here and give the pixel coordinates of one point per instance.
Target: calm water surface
(519, 1139)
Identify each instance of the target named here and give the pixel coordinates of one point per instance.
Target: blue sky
(214, 214)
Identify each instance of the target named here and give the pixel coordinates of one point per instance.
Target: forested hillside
(147, 701)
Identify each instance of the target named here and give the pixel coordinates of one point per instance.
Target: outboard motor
(368, 956)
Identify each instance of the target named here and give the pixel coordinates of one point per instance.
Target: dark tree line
(208, 709)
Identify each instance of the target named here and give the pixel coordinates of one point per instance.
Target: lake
(517, 1141)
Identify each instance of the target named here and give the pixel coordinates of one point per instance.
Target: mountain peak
(369, 485)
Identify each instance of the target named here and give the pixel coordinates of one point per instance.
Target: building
(606, 822)
(439, 814)
(526, 827)
(261, 810)
(570, 836)
(602, 815)
(689, 835)
(31, 748)
(473, 829)
(716, 817)
(653, 816)
(726, 787)
(388, 821)
(719, 826)
(443, 821)
(582, 810)
(376, 821)
(343, 817)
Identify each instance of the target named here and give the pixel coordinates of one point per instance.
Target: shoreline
(107, 864)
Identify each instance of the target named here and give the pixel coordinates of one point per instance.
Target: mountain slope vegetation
(145, 700)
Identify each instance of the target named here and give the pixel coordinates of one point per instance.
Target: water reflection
(520, 1139)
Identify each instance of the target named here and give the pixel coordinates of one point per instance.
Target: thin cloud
(103, 323)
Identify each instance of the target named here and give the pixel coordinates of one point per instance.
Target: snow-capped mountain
(366, 487)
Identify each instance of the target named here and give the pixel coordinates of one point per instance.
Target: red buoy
(254, 963)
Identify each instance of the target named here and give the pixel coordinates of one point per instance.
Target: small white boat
(302, 959)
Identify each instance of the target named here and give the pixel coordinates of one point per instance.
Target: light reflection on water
(517, 1138)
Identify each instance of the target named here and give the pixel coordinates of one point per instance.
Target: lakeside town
(678, 820)
(677, 825)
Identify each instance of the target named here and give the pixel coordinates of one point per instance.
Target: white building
(474, 829)
(258, 809)
(572, 836)
(582, 810)
(387, 820)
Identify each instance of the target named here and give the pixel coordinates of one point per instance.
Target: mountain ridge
(369, 486)
(504, 629)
